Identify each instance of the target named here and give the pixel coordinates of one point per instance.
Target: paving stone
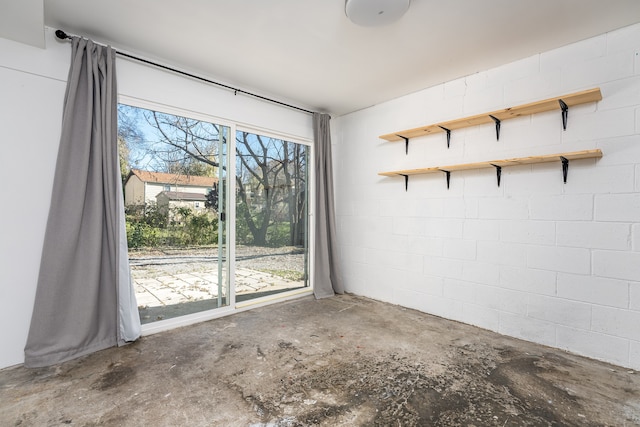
(201, 285)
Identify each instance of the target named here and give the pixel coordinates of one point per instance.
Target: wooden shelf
(550, 104)
(584, 154)
(499, 164)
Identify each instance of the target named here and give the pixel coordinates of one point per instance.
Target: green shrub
(141, 235)
(278, 234)
(200, 230)
(149, 226)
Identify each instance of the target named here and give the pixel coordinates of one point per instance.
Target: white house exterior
(176, 199)
(143, 187)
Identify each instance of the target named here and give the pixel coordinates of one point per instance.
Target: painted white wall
(553, 263)
(32, 84)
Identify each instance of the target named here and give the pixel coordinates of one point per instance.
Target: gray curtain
(327, 272)
(84, 299)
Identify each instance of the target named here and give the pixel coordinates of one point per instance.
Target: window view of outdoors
(271, 216)
(175, 177)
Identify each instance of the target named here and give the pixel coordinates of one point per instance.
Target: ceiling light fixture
(373, 13)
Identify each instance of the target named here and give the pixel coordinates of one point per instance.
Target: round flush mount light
(372, 13)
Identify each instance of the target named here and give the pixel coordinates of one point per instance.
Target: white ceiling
(308, 53)
(22, 21)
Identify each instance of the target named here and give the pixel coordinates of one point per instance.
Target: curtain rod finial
(62, 35)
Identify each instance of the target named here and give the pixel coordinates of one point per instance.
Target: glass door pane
(272, 229)
(174, 172)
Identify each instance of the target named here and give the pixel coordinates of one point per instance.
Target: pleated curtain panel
(327, 278)
(85, 300)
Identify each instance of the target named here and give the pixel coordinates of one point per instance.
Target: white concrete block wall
(537, 259)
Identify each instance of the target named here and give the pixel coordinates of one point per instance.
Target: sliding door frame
(230, 223)
(283, 296)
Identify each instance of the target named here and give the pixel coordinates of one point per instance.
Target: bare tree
(276, 171)
(186, 144)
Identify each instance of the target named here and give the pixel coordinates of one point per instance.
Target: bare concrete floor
(343, 361)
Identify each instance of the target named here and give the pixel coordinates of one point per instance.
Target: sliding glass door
(174, 170)
(186, 213)
(272, 229)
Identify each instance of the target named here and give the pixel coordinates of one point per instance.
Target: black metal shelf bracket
(448, 131)
(565, 113)
(565, 168)
(406, 143)
(448, 174)
(497, 120)
(406, 182)
(498, 172)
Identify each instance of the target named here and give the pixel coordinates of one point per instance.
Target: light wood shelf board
(575, 155)
(582, 97)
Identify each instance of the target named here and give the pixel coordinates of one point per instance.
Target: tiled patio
(171, 282)
(179, 288)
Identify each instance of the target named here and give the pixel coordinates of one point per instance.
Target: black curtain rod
(64, 36)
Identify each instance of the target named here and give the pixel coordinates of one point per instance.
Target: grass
(296, 276)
